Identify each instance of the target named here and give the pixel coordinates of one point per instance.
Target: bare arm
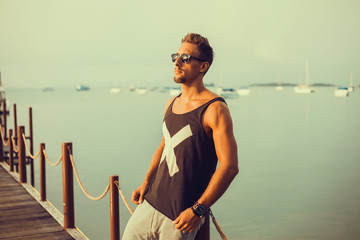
(217, 120)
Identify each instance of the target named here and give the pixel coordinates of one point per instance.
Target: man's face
(187, 72)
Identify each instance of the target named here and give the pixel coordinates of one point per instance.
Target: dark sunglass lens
(185, 58)
(174, 57)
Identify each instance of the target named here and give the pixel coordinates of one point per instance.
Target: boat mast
(307, 73)
(351, 80)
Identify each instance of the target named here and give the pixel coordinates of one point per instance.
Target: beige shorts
(147, 223)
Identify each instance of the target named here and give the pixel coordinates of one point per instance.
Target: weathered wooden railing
(18, 145)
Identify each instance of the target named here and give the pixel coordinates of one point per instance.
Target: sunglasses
(185, 58)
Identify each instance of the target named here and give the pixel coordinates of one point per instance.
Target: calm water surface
(299, 158)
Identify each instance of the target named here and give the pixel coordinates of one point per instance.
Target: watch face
(200, 209)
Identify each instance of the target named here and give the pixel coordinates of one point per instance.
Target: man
(182, 181)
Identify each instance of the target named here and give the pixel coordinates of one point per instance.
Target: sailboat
(345, 91)
(351, 87)
(115, 89)
(3, 97)
(341, 92)
(304, 88)
(226, 92)
(279, 86)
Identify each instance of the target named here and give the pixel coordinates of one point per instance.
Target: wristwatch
(198, 209)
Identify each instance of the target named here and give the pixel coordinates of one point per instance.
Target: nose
(178, 61)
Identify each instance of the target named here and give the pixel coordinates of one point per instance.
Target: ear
(204, 67)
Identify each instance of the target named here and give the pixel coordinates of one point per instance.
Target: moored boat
(82, 88)
(341, 92)
(304, 88)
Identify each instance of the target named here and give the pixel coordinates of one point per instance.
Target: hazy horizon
(108, 43)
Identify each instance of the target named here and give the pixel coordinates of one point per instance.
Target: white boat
(227, 92)
(140, 90)
(279, 88)
(82, 88)
(2, 94)
(3, 97)
(351, 87)
(304, 88)
(175, 91)
(243, 91)
(115, 90)
(341, 92)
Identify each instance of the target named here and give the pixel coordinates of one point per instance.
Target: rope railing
(52, 164)
(123, 197)
(217, 226)
(28, 149)
(14, 145)
(2, 137)
(68, 160)
(81, 185)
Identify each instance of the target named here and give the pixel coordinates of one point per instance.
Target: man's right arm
(138, 194)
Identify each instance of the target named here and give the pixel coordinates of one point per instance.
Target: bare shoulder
(168, 103)
(217, 113)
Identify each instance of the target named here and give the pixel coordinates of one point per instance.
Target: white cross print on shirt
(170, 144)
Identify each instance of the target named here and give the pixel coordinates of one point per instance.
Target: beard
(179, 79)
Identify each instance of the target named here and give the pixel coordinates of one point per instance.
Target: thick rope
(123, 197)
(2, 137)
(28, 150)
(82, 187)
(217, 226)
(14, 145)
(52, 164)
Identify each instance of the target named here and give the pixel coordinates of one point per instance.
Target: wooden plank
(30, 230)
(15, 214)
(25, 220)
(23, 215)
(15, 198)
(61, 235)
(11, 192)
(8, 205)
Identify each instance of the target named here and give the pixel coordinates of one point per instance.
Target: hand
(138, 194)
(187, 221)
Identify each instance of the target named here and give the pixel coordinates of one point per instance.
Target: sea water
(299, 158)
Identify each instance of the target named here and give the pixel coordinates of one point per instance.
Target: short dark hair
(206, 51)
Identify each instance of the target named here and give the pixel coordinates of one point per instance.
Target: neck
(192, 90)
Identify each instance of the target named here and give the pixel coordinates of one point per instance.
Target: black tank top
(187, 163)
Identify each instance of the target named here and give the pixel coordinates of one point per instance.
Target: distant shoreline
(290, 85)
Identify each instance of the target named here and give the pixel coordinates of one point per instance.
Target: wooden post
(1, 148)
(68, 187)
(11, 152)
(114, 208)
(42, 173)
(4, 118)
(15, 124)
(32, 172)
(21, 154)
(31, 131)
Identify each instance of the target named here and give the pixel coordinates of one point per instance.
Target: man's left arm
(217, 120)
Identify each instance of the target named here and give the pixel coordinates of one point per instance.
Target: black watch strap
(199, 210)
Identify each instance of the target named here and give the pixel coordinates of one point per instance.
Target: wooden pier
(24, 212)
(22, 216)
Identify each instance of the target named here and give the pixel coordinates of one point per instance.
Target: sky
(63, 43)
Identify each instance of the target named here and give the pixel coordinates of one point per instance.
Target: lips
(177, 71)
